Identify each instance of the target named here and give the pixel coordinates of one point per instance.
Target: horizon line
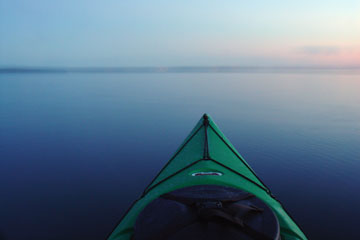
(172, 69)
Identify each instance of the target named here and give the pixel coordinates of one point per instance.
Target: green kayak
(206, 157)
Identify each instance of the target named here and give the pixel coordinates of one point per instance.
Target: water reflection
(76, 149)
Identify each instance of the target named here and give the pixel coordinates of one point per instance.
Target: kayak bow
(206, 157)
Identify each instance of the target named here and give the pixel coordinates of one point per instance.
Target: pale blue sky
(172, 33)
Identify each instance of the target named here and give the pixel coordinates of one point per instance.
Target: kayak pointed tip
(205, 118)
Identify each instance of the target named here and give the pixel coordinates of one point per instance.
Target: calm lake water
(77, 148)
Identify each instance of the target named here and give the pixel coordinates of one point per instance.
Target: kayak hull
(206, 158)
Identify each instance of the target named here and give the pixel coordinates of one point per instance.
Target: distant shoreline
(184, 69)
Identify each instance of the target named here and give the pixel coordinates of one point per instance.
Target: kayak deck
(206, 157)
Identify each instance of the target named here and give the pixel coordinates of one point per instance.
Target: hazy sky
(173, 33)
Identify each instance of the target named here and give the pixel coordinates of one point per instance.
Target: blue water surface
(77, 148)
